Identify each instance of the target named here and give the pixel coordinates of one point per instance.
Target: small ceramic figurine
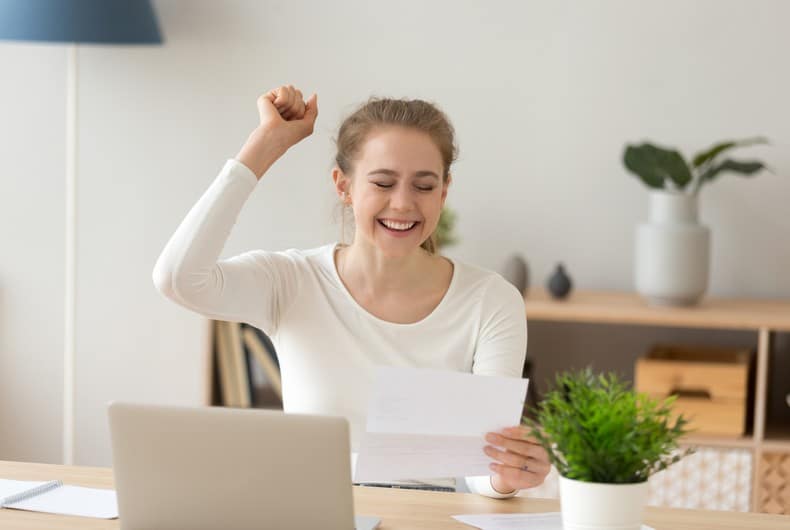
(516, 271)
(559, 283)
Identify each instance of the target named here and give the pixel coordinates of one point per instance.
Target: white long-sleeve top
(327, 344)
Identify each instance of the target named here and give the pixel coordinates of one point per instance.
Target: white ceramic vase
(672, 251)
(595, 506)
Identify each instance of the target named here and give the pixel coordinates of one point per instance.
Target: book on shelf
(241, 370)
(227, 393)
(265, 358)
(232, 365)
(247, 371)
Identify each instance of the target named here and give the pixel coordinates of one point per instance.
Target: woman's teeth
(392, 225)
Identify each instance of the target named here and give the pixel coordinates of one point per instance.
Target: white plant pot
(595, 506)
(672, 251)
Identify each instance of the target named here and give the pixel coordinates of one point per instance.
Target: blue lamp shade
(89, 21)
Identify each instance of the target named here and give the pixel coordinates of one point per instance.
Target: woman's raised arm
(254, 286)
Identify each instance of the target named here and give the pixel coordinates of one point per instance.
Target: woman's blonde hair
(410, 113)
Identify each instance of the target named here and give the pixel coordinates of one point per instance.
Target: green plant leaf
(711, 153)
(444, 233)
(655, 165)
(640, 162)
(744, 168)
(596, 429)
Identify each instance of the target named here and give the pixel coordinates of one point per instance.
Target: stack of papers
(425, 424)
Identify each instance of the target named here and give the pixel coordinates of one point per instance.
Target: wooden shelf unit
(739, 442)
(777, 438)
(762, 316)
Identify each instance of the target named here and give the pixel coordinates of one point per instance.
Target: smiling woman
(405, 198)
(336, 312)
(412, 133)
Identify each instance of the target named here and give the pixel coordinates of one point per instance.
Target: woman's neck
(364, 266)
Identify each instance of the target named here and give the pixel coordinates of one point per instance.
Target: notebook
(55, 497)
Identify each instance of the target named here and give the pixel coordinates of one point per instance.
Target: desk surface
(396, 508)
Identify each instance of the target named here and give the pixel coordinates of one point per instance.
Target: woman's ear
(446, 187)
(342, 185)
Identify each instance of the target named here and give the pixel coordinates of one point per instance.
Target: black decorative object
(559, 283)
(516, 271)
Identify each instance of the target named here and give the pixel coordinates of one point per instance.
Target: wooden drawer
(712, 385)
(773, 483)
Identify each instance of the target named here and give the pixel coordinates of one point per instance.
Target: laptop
(212, 467)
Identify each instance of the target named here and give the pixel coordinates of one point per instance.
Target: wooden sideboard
(769, 449)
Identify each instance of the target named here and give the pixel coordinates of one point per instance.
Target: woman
(336, 312)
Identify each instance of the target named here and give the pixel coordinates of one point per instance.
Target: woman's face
(397, 191)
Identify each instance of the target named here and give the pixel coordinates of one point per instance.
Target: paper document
(61, 499)
(425, 424)
(73, 500)
(512, 521)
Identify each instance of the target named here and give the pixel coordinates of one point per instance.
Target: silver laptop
(211, 467)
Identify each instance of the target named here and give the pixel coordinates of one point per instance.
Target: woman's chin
(398, 249)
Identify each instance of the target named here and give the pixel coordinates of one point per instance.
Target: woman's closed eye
(387, 186)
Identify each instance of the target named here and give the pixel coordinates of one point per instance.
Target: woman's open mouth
(398, 228)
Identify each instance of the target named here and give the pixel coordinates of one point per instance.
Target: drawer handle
(694, 393)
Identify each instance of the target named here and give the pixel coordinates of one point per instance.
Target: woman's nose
(401, 199)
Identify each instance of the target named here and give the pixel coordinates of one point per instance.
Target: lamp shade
(79, 21)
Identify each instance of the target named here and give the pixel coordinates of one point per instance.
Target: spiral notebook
(55, 497)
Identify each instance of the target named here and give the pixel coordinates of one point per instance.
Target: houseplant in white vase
(673, 248)
(605, 441)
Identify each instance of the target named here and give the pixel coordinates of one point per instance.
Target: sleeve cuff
(236, 170)
(482, 486)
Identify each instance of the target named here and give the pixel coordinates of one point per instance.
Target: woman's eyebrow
(393, 173)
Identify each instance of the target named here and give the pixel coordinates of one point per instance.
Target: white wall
(543, 95)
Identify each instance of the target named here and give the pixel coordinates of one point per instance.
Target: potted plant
(445, 230)
(605, 441)
(673, 248)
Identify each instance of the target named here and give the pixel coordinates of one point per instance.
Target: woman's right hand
(285, 120)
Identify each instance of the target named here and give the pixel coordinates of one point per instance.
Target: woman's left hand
(520, 461)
